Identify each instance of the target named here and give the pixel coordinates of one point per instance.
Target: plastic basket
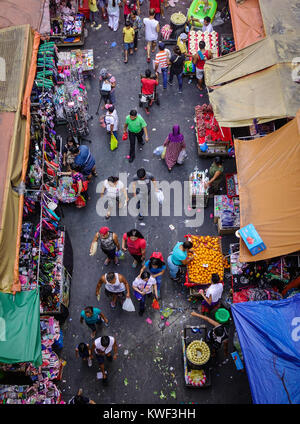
(222, 315)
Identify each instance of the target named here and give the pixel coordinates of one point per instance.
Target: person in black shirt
(79, 399)
(216, 337)
(176, 61)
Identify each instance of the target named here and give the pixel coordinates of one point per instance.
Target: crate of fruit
(208, 260)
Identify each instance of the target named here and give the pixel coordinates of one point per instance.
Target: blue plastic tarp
(269, 334)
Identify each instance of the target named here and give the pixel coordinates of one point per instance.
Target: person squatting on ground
(115, 287)
(92, 316)
(143, 286)
(103, 348)
(84, 161)
(109, 244)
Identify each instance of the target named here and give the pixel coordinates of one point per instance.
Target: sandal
(113, 305)
(107, 261)
(148, 59)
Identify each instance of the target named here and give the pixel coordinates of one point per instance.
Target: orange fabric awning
(268, 171)
(247, 23)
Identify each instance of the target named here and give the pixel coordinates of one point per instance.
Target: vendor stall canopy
(260, 80)
(16, 47)
(268, 170)
(269, 334)
(21, 12)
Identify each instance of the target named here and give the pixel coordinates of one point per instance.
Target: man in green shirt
(136, 126)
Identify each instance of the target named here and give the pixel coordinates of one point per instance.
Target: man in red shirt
(148, 86)
(155, 4)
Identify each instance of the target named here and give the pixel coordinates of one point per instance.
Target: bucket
(222, 315)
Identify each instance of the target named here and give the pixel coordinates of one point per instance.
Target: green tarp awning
(20, 335)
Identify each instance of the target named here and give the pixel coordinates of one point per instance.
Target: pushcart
(191, 333)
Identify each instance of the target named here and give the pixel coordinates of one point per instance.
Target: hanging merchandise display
(67, 25)
(198, 188)
(212, 140)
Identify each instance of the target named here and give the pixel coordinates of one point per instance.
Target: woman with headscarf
(174, 144)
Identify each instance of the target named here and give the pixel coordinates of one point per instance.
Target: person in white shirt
(207, 26)
(143, 289)
(151, 32)
(114, 191)
(103, 348)
(111, 120)
(212, 295)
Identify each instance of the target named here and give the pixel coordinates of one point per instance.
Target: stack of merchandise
(28, 258)
(13, 394)
(211, 40)
(39, 393)
(66, 24)
(227, 44)
(225, 207)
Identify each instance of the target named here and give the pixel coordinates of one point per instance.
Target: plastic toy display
(199, 9)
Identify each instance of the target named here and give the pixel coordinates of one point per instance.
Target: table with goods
(212, 140)
(198, 190)
(227, 214)
(196, 357)
(208, 260)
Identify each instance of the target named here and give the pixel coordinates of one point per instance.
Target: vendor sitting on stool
(216, 175)
(212, 295)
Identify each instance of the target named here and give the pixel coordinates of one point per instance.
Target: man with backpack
(107, 85)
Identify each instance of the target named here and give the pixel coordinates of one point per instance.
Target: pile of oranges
(208, 259)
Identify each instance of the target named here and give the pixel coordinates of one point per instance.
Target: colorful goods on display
(208, 131)
(178, 18)
(65, 191)
(166, 32)
(82, 59)
(227, 44)
(39, 393)
(196, 378)
(198, 352)
(208, 260)
(232, 186)
(199, 9)
(223, 203)
(198, 189)
(211, 40)
(67, 25)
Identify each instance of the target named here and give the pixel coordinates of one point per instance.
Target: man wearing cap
(181, 43)
(109, 244)
(161, 60)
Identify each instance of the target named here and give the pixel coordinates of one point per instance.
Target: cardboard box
(252, 239)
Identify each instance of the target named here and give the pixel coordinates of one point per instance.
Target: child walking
(128, 34)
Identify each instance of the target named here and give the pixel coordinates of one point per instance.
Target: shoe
(90, 363)
(130, 160)
(93, 24)
(134, 264)
(98, 27)
(140, 216)
(116, 262)
(113, 305)
(179, 92)
(170, 83)
(148, 59)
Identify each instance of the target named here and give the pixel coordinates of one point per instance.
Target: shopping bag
(160, 196)
(181, 157)
(158, 151)
(128, 305)
(80, 202)
(120, 254)
(155, 304)
(163, 155)
(113, 142)
(93, 248)
(125, 135)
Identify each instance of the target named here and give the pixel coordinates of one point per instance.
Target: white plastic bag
(128, 305)
(181, 157)
(93, 248)
(158, 151)
(160, 196)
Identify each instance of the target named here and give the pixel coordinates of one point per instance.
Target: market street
(149, 367)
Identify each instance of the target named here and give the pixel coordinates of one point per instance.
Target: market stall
(67, 25)
(80, 59)
(227, 214)
(208, 259)
(212, 139)
(198, 191)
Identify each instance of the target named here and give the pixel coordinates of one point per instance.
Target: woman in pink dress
(174, 144)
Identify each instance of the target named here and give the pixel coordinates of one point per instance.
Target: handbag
(138, 295)
(113, 142)
(181, 157)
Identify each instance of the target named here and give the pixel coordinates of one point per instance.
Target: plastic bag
(120, 254)
(163, 155)
(128, 305)
(155, 304)
(160, 196)
(113, 142)
(181, 157)
(158, 151)
(125, 135)
(93, 248)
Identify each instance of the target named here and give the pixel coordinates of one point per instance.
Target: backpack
(157, 255)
